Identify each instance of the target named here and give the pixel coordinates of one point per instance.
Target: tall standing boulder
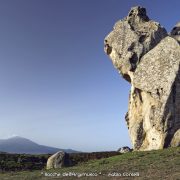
(57, 160)
(147, 57)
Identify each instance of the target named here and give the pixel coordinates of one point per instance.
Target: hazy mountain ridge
(22, 145)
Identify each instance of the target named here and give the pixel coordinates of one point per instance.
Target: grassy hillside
(160, 164)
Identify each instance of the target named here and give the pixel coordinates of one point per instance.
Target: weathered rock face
(131, 38)
(149, 59)
(57, 160)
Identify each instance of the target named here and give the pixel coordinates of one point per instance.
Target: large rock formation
(147, 57)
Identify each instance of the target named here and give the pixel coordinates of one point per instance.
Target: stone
(57, 160)
(124, 149)
(176, 139)
(175, 32)
(131, 38)
(147, 57)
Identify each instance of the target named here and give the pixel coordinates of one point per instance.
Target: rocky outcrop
(57, 160)
(147, 57)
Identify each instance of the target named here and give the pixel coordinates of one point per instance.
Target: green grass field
(157, 165)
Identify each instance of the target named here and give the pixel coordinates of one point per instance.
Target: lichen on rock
(148, 58)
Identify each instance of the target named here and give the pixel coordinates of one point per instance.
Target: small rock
(176, 139)
(124, 149)
(175, 32)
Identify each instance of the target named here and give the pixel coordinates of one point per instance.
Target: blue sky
(57, 86)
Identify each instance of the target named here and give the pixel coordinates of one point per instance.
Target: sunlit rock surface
(147, 57)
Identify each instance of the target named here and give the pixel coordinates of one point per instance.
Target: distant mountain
(22, 145)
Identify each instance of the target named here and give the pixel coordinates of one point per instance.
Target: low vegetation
(160, 164)
(23, 162)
